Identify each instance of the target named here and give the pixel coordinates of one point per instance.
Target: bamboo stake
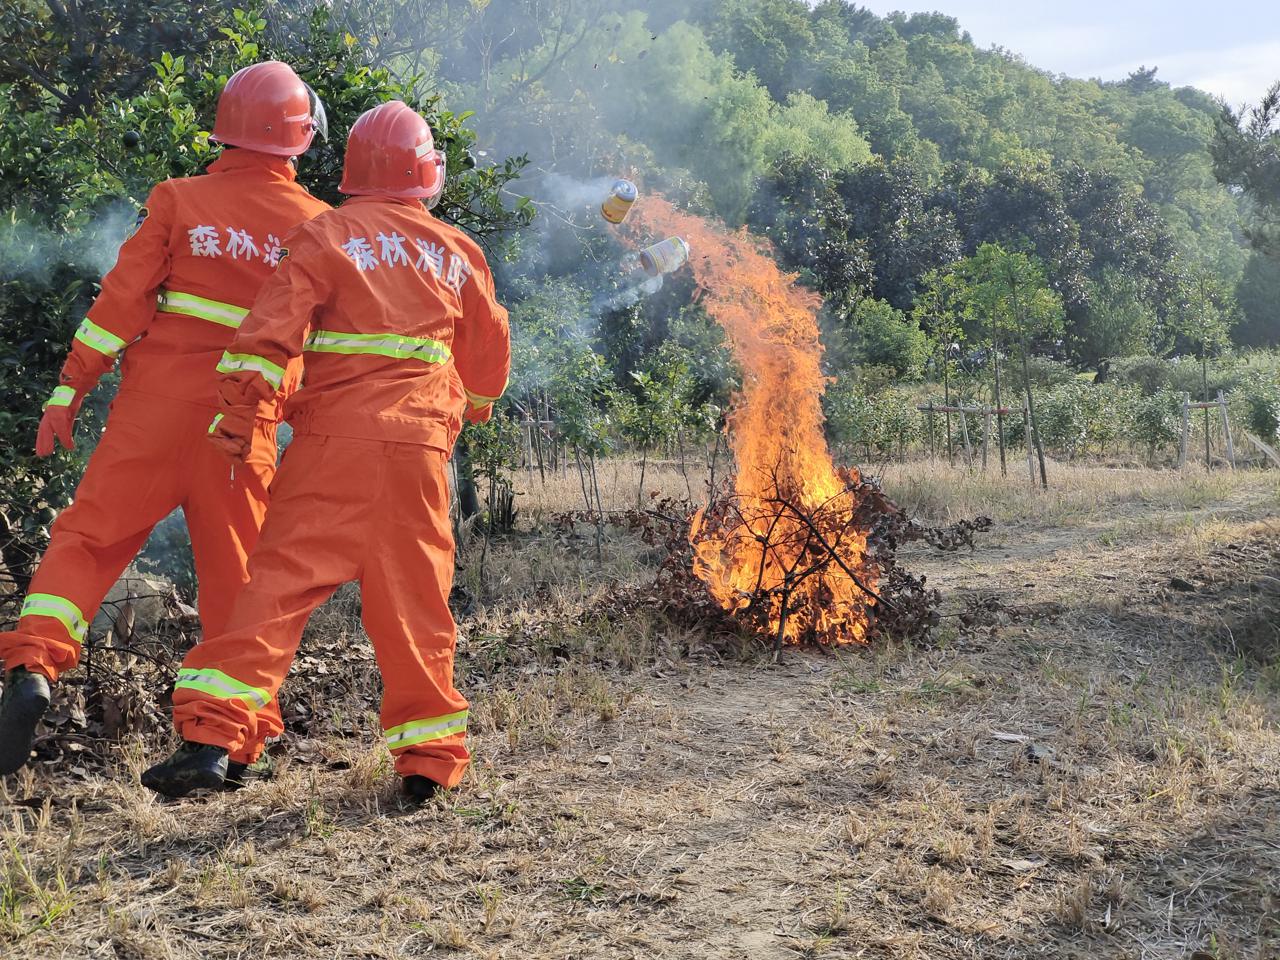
(1186, 430)
(1031, 452)
(1226, 430)
(986, 434)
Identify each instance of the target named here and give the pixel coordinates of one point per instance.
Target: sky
(1231, 48)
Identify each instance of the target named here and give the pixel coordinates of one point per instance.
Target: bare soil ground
(1085, 762)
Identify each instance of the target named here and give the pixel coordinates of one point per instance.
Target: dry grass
(1093, 770)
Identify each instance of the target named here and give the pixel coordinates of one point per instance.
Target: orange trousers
(342, 509)
(153, 457)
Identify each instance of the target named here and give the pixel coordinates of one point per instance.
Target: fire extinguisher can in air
(617, 205)
(666, 256)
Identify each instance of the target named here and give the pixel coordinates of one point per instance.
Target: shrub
(1148, 374)
(889, 338)
(1258, 400)
(1044, 373)
(1157, 420)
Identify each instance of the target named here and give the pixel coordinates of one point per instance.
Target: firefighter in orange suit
(396, 315)
(202, 248)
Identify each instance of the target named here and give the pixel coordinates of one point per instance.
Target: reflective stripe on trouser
(202, 308)
(426, 730)
(57, 608)
(154, 458)
(218, 684)
(378, 344)
(346, 510)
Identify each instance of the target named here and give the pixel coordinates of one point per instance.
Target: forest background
(1113, 243)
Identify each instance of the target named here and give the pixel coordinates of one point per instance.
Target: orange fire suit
(403, 336)
(202, 248)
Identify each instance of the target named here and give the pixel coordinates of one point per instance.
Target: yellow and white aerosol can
(666, 256)
(617, 205)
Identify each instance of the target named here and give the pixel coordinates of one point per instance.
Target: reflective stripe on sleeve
(61, 397)
(379, 344)
(217, 684)
(423, 731)
(479, 402)
(60, 609)
(214, 426)
(96, 338)
(188, 304)
(237, 362)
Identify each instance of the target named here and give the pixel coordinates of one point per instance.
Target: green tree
(940, 310)
(652, 412)
(1202, 327)
(1246, 156)
(1010, 291)
(889, 338)
(1117, 321)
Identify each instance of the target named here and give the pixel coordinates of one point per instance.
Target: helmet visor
(438, 158)
(319, 119)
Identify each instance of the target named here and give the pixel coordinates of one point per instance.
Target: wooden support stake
(1031, 450)
(968, 447)
(1186, 430)
(986, 434)
(1268, 450)
(1226, 430)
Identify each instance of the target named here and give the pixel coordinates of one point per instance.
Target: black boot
(420, 789)
(25, 699)
(193, 766)
(240, 775)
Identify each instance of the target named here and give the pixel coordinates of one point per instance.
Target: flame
(791, 507)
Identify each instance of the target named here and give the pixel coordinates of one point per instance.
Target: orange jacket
(184, 280)
(397, 316)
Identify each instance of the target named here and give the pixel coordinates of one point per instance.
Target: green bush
(1063, 415)
(886, 337)
(1044, 373)
(1257, 402)
(1157, 420)
(1148, 374)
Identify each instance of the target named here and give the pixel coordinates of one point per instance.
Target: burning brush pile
(798, 550)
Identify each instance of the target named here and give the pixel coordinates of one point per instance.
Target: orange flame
(791, 506)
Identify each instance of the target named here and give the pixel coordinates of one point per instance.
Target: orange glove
(59, 420)
(232, 429)
(232, 432)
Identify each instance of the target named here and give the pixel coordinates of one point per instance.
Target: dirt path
(1083, 767)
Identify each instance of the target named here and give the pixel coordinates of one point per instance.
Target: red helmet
(267, 108)
(391, 153)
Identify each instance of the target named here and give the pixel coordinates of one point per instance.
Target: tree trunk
(582, 478)
(1031, 409)
(684, 471)
(644, 462)
(711, 483)
(468, 498)
(1204, 381)
(946, 399)
(995, 362)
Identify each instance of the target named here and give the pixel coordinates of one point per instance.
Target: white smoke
(572, 196)
(31, 252)
(629, 295)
